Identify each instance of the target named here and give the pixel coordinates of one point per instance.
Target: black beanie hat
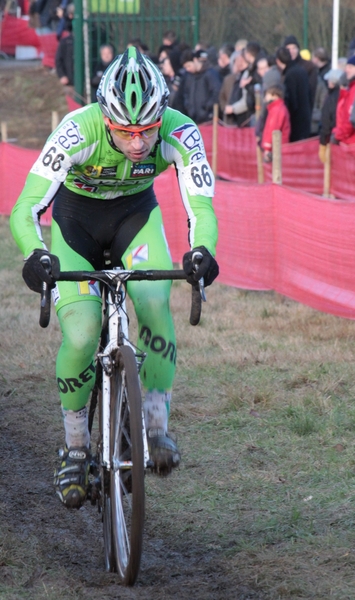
(291, 39)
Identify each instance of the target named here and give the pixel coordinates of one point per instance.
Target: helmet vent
(134, 100)
(143, 80)
(119, 71)
(151, 113)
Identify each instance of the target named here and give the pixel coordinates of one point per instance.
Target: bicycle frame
(114, 302)
(119, 487)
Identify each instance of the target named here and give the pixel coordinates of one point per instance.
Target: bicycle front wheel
(127, 472)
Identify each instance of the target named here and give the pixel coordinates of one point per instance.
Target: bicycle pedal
(94, 490)
(94, 467)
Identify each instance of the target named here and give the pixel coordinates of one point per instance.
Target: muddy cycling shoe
(72, 477)
(163, 451)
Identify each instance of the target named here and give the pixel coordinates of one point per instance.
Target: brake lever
(45, 310)
(196, 260)
(47, 265)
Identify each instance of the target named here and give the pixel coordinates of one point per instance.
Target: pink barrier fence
(342, 180)
(237, 161)
(15, 164)
(270, 236)
(275, 238)
(301, 167)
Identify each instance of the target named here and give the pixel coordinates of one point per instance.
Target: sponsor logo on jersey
(95, 171)
(141, 170)
(137, 256)
(85, 186)
(55, 295)
(89, 288)
(190, 138)
(68, 135)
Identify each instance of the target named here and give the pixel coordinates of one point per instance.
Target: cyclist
(97, 169)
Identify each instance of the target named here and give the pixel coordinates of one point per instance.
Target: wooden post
(215, 138)
(276, 157)
(259, 154)
(55, 120)
(259, 162)
(277, 178)
(326, 173)
(3, 131)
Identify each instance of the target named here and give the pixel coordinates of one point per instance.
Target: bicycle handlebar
(109, 276)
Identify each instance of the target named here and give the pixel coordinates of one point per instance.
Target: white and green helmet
(132, 90)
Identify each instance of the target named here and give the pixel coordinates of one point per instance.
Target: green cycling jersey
(80, 155)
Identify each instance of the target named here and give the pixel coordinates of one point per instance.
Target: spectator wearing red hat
(344, 131)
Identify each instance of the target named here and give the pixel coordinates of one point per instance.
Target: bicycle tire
(96, 434)
(127, 494)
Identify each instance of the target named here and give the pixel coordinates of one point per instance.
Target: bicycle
(118, 467)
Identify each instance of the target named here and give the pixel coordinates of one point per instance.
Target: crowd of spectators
(290, 89)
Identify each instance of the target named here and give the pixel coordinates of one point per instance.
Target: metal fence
(117, 22)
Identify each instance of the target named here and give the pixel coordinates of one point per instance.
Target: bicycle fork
(117, 327)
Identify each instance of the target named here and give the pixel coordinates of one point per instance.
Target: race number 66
(201, 175)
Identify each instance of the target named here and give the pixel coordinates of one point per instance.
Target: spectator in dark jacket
(327, 122)
(293, 46)
(199, 87)
(169, 64)
(297, 96)
(322, 61)
(224, 56)
(47, 15)
(107, 54)
(252, 52)
(64, 58)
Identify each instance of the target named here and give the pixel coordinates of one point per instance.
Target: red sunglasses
(127, 133)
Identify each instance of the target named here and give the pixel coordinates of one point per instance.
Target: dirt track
(64, 550)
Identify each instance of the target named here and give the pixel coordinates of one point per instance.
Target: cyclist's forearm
(203, 224)
(25, 216)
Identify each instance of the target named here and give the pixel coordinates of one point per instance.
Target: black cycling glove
(35, 270)
(196, 266)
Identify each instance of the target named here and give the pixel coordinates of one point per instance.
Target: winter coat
(312, 74)
(327, 121)
(197, 94)
(277, 119)
(344, 131)
(297, 100)
(321, 94)
(64, 58)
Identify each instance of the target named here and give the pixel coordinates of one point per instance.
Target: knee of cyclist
(153, 304)
(152, 296)
(80, 331)
(83, 344)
